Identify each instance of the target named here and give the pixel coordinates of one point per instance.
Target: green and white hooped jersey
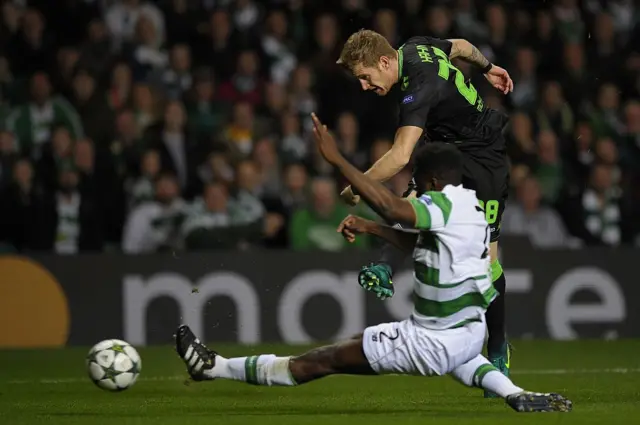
(452, 282)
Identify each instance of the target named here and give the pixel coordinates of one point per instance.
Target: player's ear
(384, 62)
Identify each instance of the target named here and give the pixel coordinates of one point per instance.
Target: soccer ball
(113, 365)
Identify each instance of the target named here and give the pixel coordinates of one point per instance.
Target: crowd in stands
(143, 126)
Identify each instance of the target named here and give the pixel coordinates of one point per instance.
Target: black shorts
(487, 172)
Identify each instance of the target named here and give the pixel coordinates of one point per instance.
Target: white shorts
(409, 349)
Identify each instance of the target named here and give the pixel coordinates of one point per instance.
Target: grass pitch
(50, 387)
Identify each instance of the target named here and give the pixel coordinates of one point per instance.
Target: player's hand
(353, 225)
(324, 141)
(500, 79)
(349, 197)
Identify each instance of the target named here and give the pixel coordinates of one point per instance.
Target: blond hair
(365, 48)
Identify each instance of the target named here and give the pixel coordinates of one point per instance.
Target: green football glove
(377, 278)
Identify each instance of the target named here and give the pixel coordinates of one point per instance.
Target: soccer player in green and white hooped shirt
(452, 290)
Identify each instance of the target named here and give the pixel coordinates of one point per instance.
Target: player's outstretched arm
(498, 77)
(380, 199)
(353, 225)
(392, 162)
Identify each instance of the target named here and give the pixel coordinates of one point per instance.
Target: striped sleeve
(432, 210)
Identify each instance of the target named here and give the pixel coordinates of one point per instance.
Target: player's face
(372, 79)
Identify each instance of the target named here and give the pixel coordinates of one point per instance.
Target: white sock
(496, 382)
(479, 372)
(265, 369)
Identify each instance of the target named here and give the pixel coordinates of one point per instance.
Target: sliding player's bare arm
(402, 239)
(497, 76)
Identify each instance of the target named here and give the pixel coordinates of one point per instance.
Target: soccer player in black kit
(437, 103)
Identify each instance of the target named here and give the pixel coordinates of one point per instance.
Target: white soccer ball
(113, 365)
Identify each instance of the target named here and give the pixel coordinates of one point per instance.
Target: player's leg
(498, 348)
(487, 173)
(378, 276)
(204, 364)
(479, 372)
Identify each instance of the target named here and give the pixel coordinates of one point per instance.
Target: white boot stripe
(188, 354)
(194, 359)
(198, 366)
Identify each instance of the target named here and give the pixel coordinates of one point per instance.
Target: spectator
(145, 106)
(23, 202)
(72, 221)
(33, 122)
(554, 113)
(245, 85)
(240, 132)
(142, 189)
(547, 40)
(147, 54)
(499, 44)
(278, 48)
(7, 89)
(126, 145)
(293, 145)
(439, 22)
(605, 117)
(603, 51)
(348, 135)
(595, 215)
(527, 217)
(549, 170)
(303, 100)
(466, 19)
(577, 78)
(216, 50)
(8, 156)
(120, 90)
(30, 50)
(214, 224)
(122, 19)
(56, 155)
(246, 15)
(245, 201)
(176, 79)
(266, 158)
(384, 22)
(276, 104)
(178, 149)
(95, 53)
(326, 35)
(216, 168)
(295, 191)
(521, 145)
(95, 114)
(631, 141)
(155, 226)
(525, 94)
(206, 114)
(569, 20)
(180, 17)
(581, 153)
(314, 228)
(67, 63)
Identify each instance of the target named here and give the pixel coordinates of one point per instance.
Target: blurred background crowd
(142, 126)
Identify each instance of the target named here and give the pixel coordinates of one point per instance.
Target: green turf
(49, 387)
